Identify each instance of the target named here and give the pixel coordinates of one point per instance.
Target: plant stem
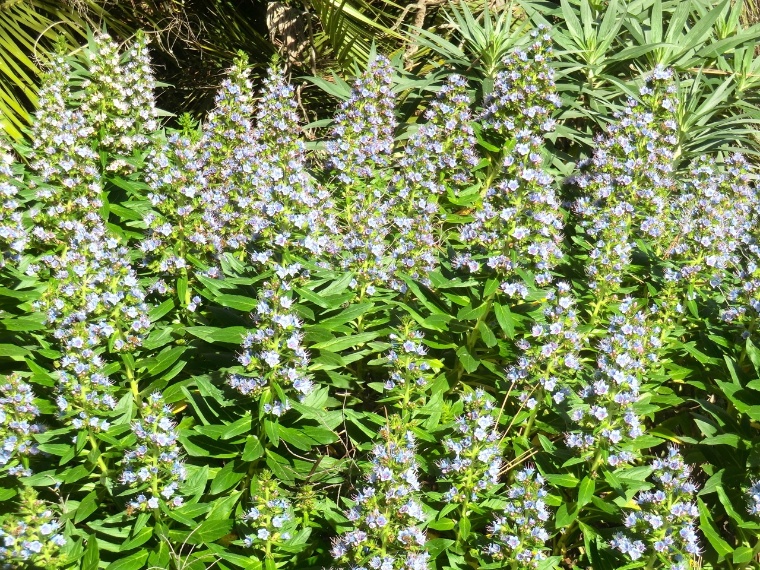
(460, 542)
(596, 462)
(96, 449)
(750, 329)
(533, 414)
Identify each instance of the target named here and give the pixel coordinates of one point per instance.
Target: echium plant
(18, 425)
(332, 246)
(154, 465)
(360, 152)
(627, 184)
(519, 535)
(519, 226)
(524, 93)
(93, 302)
(663, 529)
(473, 454)
(441, 151)
(118, 99)
(273, 359)
(65, 183)
(627, 356)
(31, 537)
(436, 163)
(714, 244)
(743, 219)
(297, 215)
(13, 235)
(270, 522)
(258, 189)
(182, 225)
(228, 157)
(550, 361)
(362, 138)
(411, 370)
(386, 513)
(706, 248)
(714, 222)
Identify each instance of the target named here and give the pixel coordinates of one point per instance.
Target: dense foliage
(445, 343)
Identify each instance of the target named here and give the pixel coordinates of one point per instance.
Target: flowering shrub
(413, 343)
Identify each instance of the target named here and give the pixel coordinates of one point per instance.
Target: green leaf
(562, 480)
(75, 474)
(133, 562)
(437, 545)
(754, 355)
(351, 313)
(195, 484)
(324, 301)
(565, 515)
(464, 527)
(160, 310)
(442, 524)
(470, 313)
(340, 90)
(743, 555)
(159, 557)
(91, 554)
(13, 351)
(241, 426)
(702, 29)
(226, 478)
(295, 438)
(253, 449)
(586, 491)
(238, 302)
(88, 506)
(328, 361)
(272, 429)
(231, 335)
(138, 539)
(344, 342)
(505, 319)
(487, 335)
(732, 439)
(25, 324)
(182, 295)
(320, 435)
(164, 360)
(58, 449)
(210, 530)
(469, 362)
(707, 527)
(572, 22)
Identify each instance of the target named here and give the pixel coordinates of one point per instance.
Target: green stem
(96, 448)
(562, 544)
(596, 463)
(533, 414)
(461, 541)
(405, 409)
(750, 329)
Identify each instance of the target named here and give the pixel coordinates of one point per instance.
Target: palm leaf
(28, 32)
(350, 30)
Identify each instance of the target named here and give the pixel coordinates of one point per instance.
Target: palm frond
(350, 29)
(28, 31)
